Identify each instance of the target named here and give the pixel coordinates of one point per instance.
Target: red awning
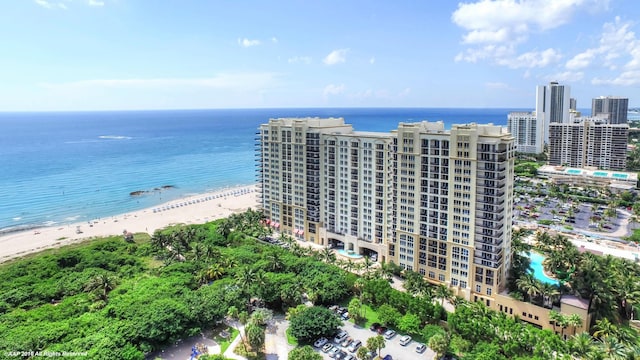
(267, 221)
(301, 232)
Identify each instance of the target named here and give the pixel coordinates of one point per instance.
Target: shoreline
(195, 209)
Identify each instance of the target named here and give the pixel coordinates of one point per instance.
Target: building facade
(435, 201)
(453, 205)
(616, 107)
(527, 130)
(553, 103)
(588, 142)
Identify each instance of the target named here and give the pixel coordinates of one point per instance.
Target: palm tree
(327, 255)
(367, 266)
(604, 328)
(613, 349)
(225, 226)
(215, 271)
(376, 343)
(628, 293)
(529, 285)
(549, 293)
(443, 293)
(102, 283)
(575, 321)
(582, 345)
(275, 261)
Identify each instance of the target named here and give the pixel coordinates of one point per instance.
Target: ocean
(64, 167)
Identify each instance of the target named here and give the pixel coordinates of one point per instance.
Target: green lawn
(291, 340)
(224, 343)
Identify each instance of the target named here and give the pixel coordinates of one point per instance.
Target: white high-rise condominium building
(552, 105)
(616, 107)
(435, 201)
(527, 130)
(454, 199)
(589, 142)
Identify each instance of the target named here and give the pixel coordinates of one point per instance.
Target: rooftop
(575, 301)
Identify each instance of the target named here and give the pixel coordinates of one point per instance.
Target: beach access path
(197, 209)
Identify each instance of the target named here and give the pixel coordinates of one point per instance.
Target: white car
(320, 342)
(334, 351)
(405, 340)
(389, 334)
(340, 337)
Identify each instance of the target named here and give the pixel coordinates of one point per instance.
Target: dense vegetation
(119, 300)
(123, 300)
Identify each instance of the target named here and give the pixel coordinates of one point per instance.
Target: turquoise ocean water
(58, 168)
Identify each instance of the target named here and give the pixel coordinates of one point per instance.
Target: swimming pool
(351, 255)
(538, 269)
(574, 171)
(600, 173)
(619, 176)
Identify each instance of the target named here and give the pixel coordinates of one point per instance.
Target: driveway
(275, 342)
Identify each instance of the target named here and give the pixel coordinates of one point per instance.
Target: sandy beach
(195, 209)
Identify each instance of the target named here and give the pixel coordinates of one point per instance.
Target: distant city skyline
(79, 55)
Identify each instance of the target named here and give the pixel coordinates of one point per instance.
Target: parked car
(349, 357)
(340, 337)
(345, 316)
(320, 342)
(346, 342)
(389, 334)
(387, 357)
(405, 340)
(327, 347)
(341, 355)
(334, 351)
(374, 326)
(354, 346)
(381, 330)
(420, 348)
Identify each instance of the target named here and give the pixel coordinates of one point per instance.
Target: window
(440, 277)
(478, 288)
(489, 291)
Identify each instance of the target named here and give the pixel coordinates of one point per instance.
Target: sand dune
(196, 209)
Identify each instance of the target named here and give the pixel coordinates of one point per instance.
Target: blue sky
(149, 54)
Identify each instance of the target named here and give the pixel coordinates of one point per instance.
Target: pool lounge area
(538, 269)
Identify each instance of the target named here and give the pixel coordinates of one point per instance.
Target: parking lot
(571, 215)
(392, 346)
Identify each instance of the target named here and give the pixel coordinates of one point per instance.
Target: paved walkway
(276, 346)
(236, 342)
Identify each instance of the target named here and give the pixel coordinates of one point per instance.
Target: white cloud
(626, 78)
(581, 60)
(231, 81)
(336, 57)
(274, 40)
(95, 3)
(244, 42)
(531, 59)
(494, 28)
(618, 48)
(372, 60)
(332, 89)
(299, 59)
(44, 4)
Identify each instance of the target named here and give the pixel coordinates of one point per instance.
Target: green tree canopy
(312, 323)
(304, 353)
